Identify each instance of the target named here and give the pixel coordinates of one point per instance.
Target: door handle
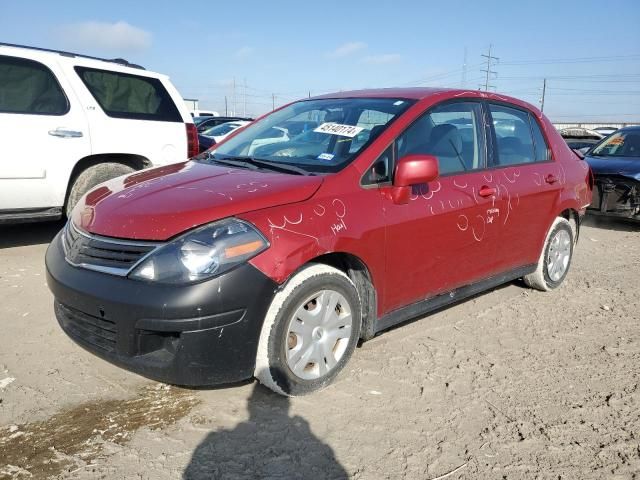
(64, 133)
(486, 191)
(551, 179)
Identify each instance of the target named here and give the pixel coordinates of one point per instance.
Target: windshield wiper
(256, 162)
(233, 163)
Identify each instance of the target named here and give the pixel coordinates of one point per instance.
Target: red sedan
(273, 259)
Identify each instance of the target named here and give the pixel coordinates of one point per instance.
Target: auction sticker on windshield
(339, 129)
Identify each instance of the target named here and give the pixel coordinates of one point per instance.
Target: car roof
(421, 93)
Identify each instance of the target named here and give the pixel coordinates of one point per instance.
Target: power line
(553, 61)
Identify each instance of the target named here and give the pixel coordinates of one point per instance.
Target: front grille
(96, 331)
(103, 254)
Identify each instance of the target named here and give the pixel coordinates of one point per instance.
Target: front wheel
(310, 331)
(555, 259)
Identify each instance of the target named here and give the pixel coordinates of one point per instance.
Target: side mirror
(412, 170)
(579, 153)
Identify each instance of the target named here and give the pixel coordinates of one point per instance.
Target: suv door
(528, 181)
(445, 236)
(43, 132)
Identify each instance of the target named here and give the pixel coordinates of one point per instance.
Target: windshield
(620, 144)
(221, 129)
(317, 135)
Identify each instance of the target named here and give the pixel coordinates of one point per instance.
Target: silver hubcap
(318, 334)
(559, 255)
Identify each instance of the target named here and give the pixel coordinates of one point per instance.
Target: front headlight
(202, 253)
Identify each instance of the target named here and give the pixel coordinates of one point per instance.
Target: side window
(29, 87)
(452, 132)
(513, 135)
(539, 143)
(380, 171)
(122, 95)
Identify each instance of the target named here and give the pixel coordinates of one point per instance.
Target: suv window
(451, 132)
(29, 87)
(513, 135)
(122, 95)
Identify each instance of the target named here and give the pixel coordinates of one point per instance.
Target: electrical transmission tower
(491, 61)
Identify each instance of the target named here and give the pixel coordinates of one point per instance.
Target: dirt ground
(512, 384)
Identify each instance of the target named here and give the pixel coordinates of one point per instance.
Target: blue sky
(588, 50)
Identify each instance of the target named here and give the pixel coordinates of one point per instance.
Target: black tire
(91, 177)
(541, 278)
(272, 369)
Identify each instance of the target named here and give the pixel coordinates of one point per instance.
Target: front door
(445, 237)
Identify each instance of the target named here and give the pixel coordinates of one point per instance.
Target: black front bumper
(200, 334)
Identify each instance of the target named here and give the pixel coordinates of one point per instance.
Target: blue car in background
(615, 163)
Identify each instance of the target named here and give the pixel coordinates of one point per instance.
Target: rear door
(529, 182)
(445, 237)
(131, 113)
(43, 132)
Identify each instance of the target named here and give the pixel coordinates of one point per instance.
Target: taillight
(192, 140)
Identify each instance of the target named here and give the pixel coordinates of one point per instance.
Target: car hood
(625, 166)
(160, 203)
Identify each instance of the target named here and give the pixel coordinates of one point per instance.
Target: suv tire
(91, 177)
(309, 332)
(555, 259)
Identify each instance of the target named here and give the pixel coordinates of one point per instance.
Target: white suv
(69, 122)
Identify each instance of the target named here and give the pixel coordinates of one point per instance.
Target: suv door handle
(551, 179)
(486, 191)
(64, 133)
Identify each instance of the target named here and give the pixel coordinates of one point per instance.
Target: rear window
(122, 95)
(29, 87)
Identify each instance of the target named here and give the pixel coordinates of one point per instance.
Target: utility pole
(544, 91)
(273, 101)
(488, 70)
(226, 108)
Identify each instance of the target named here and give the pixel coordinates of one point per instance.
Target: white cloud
(90, 35)
(346, 49)
(243, 53)
(382, 59)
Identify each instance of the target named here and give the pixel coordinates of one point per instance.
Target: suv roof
(119, 61)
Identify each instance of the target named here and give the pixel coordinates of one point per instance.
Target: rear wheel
(555, 259)
(91, 177)
(310, 331)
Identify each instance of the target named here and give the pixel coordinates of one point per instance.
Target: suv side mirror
(412, 170)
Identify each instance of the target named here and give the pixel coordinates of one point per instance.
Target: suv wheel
(555, 259)
(310, 331)
(91, 177)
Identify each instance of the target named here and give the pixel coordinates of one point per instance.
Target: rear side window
(513, 135)
(122, 95)
(539, 143)
(29, 87)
